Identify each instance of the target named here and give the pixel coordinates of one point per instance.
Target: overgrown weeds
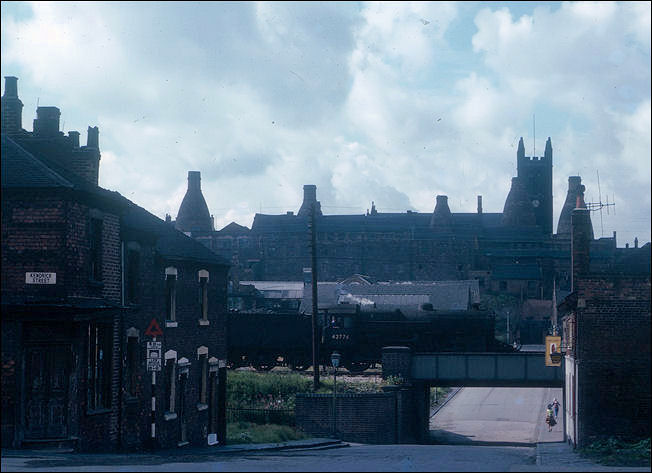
(618, 452)
(249, 432)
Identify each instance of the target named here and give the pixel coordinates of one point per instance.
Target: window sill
(202, 407)
(170, 415)
(204, 322)
(171, 323)
(100, 411)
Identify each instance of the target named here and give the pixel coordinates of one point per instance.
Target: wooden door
(47, 371)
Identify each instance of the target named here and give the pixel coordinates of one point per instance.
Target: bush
(264, 390)
(247, 432)
(614, 451)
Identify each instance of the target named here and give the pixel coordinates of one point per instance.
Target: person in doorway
(550, 418)
(555, 405)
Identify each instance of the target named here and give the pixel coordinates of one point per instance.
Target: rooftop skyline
(391, 103)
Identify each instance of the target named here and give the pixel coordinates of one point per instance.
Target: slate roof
(625, 261)
(29, 169)
(21, 169)
(443, 295)
(277, 289)
(418, 224)
(233, 229)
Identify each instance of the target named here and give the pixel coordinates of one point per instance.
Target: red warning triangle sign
(153, 330)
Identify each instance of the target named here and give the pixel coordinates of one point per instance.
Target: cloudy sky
(391, 103)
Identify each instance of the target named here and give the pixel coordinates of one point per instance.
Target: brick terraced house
(606, 339)
(84, 273)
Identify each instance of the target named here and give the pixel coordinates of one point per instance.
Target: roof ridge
(38, 162)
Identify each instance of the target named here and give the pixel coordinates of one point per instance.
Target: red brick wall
(33, 239)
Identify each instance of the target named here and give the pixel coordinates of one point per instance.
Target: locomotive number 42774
(340, 336)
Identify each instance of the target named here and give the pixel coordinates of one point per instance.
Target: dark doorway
(47, 371)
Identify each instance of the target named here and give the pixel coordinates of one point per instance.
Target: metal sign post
(154, 364)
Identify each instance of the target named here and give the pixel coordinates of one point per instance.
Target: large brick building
(84, 272)
(513, 254)
(606, 336)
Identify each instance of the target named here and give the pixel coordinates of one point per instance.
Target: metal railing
(261, 416)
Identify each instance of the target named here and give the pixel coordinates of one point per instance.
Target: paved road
(356, 458)
(496, 415)
(484, 416)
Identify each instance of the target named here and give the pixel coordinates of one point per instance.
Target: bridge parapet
(522, 369)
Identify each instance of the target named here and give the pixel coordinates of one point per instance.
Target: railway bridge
(401, 413)
(418, 371)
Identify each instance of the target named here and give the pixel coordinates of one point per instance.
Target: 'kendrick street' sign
(40, 278)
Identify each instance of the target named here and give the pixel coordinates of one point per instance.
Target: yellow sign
(553, 347)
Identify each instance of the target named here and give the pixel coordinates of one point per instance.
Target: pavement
(550, 456)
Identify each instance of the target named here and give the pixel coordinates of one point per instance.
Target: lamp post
(335, 361)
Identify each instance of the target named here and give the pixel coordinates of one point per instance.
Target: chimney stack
(194, 180)
(581, 236)
(479, 205)
(441, 217)
(309, 199)
(46, 123)
(74, 138)
(11, 87)
(93, 137)
(12, 107)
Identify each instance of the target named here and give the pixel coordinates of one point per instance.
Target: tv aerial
(595, 206)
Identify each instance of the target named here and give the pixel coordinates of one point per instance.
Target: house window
(99, 366)
(171, 294)
(170, 383)
(95, 235)
(132, 272)
(203, 294)
(202, 354)
(131, 362)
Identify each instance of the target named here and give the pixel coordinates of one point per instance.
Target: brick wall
(364, 418)
(613, 348)
(33, 239)
(185, 339)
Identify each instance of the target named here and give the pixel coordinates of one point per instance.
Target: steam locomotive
(265, 340)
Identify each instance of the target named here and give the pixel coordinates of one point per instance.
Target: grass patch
(616, 452)
(248, 432)
(246, 389)
(343, 386)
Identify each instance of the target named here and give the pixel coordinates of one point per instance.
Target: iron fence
(261, 416)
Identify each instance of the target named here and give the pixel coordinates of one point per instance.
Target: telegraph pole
(315, 330)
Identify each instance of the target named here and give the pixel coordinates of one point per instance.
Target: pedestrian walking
(550, 418)
(555, 405)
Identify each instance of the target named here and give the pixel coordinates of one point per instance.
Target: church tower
(535, 175)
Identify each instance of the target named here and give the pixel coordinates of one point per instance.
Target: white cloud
(367, 101)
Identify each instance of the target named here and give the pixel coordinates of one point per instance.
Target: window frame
(98, 363)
